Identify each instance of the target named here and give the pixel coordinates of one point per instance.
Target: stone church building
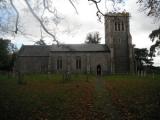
(115, 56)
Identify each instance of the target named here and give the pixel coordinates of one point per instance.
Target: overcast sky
(74, 27)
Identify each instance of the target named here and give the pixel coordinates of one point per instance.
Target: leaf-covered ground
(43, 97)
(136, 98)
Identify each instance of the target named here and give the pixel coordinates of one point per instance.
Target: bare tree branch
(152, 7)
(41, 23)
(46, 6)
(73, 6)
(99, 13)
(17, 18)
(54, 12)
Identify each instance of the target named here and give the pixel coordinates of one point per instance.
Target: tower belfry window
(119, 27)
(115, 26)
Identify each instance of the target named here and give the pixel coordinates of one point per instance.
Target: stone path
(103, 103)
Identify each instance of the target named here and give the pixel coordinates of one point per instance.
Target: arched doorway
(98, 70)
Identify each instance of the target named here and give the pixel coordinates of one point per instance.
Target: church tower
(119, 41)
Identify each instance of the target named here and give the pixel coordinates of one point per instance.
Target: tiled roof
(81, 48)
(38, 50)
(34, 50)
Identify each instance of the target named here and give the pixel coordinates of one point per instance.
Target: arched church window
(59, 63)
(122, 26)
(78, 63)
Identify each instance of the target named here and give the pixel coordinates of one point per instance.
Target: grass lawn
(136, 98)
(45, 97)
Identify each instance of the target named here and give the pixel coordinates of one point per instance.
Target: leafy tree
(93, 38)
(142, 57)
(155, 36)
(152, 8)
(4, 52)
(40, 42)
(7, 54)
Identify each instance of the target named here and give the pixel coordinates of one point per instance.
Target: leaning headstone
(144, 73)
(87, 77)
(141, 73)
(153, 75)
(69, 75)
(20, 77)
(66, 76)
